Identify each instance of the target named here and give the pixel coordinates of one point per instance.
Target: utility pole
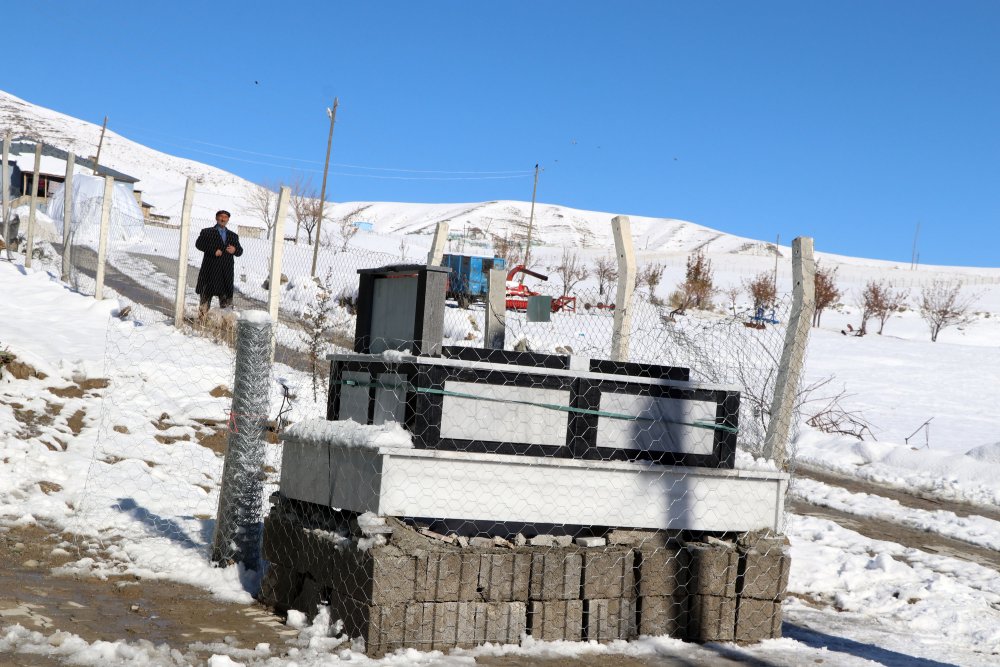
(777, 252)
(531, 221)
(100, 143)
(332, 113)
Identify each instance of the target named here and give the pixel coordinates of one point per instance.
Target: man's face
(222, 219)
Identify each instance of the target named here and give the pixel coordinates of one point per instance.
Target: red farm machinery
(517, 293)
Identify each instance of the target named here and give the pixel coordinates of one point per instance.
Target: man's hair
(226, 213)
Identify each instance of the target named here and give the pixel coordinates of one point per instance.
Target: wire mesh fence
(430, 490)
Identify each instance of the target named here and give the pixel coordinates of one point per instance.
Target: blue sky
(850, 122)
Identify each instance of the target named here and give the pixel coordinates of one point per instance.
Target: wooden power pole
(332, 113)
(100, 143)
(531, 222)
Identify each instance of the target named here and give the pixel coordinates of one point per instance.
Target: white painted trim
(491, 487)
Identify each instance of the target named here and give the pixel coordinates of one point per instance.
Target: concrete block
(386, 629)
(418, 626)
(643, 539)
(757, 620)
(311, 596)
(446, 577)
(556, 619)
(504, 577)
(282, 542)
(607, 620)
(608, 573)
(555, 575)
(712, 570)
(765, 573)
(280, 587)
(445, 629)
(711, 619)
(505, 621)
(663, 615)
(393, 579)
(591, 541)
(662, 570)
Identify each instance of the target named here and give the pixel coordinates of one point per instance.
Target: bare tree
(697, 289)
(867, 302)
(606, 272)
(762, 290)
(651, 276)
(508, 248)
(942, 305)
(890, 301)
(826, 290)
(261, 201)
(348, 225)
(571, 270)
(305, 206)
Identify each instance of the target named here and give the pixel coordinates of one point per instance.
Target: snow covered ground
(877, 597)
(103, 462)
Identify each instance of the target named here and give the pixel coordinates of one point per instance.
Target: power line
(524, 172)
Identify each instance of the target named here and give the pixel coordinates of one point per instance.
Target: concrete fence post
(277, 252)
(67, 250)
(621, 226)
(29, 236)
(182, 253)
(102, 245)
(238, 532)
(437, 245)
(6, 194)
(793, 354)
(496, 310)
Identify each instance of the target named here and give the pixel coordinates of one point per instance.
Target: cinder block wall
(403, 589)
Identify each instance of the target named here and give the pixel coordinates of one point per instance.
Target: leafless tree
(762, 290)
(348, 225)
(867, 302)
(305, 206)
(570, 270)
(651, 275)
(606, 272)
(942, 305)
(508, 248)
(261, 202)
(890, 300)
(826, 289)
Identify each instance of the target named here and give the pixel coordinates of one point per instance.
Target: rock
(591, 541)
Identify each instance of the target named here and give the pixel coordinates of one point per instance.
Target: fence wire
(429, 492)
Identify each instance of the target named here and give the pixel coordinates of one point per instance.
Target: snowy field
(886, 599)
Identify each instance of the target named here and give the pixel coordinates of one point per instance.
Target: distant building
(365, 226)
(52, 169)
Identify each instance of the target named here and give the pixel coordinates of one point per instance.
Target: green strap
(712, 426)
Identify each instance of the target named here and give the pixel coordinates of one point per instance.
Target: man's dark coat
(215, 278)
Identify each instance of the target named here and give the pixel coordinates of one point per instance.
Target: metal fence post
(277, 252)
(29, 236)
(621, 226)
(67, 252)
(793, 354)
(437, 245)
(238, 532)
(182, 253)
(102, 245)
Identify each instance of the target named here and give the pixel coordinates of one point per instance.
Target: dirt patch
(120, 429)
(119, 607)
(22, 371)
(72, 391)
(32, 422)
(221, 392)
(75, 422)
(48, 488)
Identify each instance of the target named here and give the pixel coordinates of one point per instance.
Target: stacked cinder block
(402, 589)
(763, 580)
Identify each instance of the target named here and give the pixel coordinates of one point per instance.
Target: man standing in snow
(215, 278)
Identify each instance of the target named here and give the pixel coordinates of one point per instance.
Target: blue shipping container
(469, 274)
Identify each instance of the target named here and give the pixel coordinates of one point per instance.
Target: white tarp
(88, 195)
